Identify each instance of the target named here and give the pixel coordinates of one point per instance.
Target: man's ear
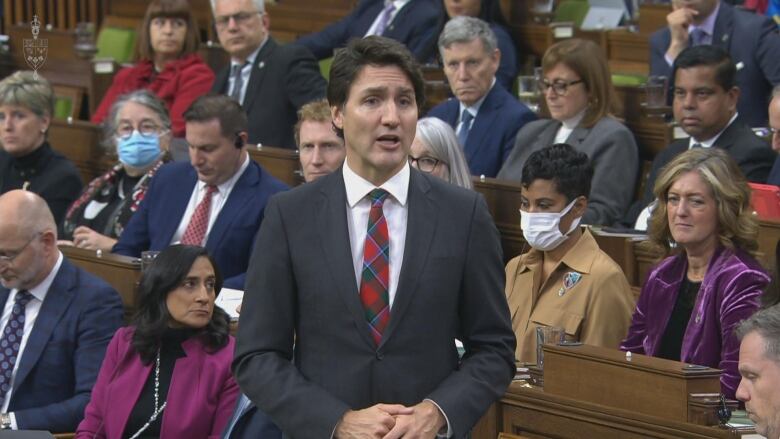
(336, 114)
(580, 206)
(733, 95)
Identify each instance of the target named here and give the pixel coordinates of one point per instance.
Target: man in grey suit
(362, 280)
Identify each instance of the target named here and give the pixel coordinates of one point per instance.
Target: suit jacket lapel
(56, 303)
(577, 136)
(482, 123)
(336, 251)
(241, 194)
(724, 26)
(729, 136)
(258, 73)
(420, 229)
(221, 81)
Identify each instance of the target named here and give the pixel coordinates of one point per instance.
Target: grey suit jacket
(301, 288)
(611, 147)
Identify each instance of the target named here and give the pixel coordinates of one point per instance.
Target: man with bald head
(55, 324)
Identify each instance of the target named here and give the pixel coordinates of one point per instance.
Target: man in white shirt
(56, 322)
(216, 201)
(362, 280)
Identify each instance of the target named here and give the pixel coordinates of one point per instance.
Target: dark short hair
(167, 9)
(375, 51)
(709, 56)
(152, 317)
(232, 118)
(569, 169)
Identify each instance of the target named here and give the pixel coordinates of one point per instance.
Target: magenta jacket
(201, 397)
(729, 294)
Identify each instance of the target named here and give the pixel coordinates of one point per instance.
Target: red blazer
(201, 397)
(178, 85)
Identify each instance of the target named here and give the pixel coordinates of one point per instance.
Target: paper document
(229, 299)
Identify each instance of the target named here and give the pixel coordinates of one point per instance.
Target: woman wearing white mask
(140, 129)
(565, 280)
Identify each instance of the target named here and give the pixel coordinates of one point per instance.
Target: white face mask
(541, 229)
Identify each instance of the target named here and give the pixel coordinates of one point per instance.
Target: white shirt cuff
(669, 60)
(449, 427)
(13, 421)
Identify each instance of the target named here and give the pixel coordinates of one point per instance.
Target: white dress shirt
(398, 5)
(567, 126)
(218, 200)
(246, 72)
(31, 311)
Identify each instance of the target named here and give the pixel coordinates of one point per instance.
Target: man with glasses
(705, 107)
(55, 324)
(485, 117)
(216, 201)
(270, 81)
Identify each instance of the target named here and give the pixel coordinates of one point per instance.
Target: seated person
(167, 62)
(139, 132)
(692, 300)
(486, 118)
(490, 12)
(321, 151)
(410, 22)
(705, 107)
(751, 41)
(565, 280)
(774, 125)
(170, 371)
(271, 81)
(435, 150)
(27, 161)
(63, 318)
(216, 201)
(580, 97)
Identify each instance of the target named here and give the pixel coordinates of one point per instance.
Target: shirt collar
(398, 3)
(39, 291)
(579, 258)
(358, 187)
(708, 25)
(474, 108)
(711, 141)
(230, 182)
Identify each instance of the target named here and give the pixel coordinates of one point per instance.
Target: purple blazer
(729, 294)
(201, 397)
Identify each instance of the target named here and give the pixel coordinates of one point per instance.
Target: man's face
(701, 106)
(774, 122)
(470, 70)
(703, 7)
(456, 8)
(215, 157)
(321, 150)
(379, 121)
(24, 259)
(759, 386)
(240, 27)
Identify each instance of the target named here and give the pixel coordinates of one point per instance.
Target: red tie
(199, 222)
(376, 268)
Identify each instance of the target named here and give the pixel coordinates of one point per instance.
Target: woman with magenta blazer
(168, 376)
(692, 301)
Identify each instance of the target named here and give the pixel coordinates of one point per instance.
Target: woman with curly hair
(692, 300)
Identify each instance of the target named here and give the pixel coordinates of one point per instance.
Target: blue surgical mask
(138, 151)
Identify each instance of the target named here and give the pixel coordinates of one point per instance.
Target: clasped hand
(392, 421)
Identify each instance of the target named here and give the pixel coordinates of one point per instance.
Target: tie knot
(210, 189)
(23, 297)
(237, 68)
(466, 117)
(378, 196)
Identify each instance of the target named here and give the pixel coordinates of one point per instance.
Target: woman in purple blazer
(168, 375)
(692, 301)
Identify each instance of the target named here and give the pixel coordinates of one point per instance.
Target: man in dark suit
(361, 281)
(485, 117)
(705, 107)
(774, 125)
(271, 81)
(56, 322)
(411, 22)
(751, 40)
(217, 200)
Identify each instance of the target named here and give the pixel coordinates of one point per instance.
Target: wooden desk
(282, 163)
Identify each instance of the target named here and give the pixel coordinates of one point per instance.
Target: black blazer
(283, 79)
(301, 291)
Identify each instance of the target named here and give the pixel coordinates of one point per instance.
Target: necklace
(157, 408)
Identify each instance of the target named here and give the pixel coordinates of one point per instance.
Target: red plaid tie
(376, 268)
(199, 222)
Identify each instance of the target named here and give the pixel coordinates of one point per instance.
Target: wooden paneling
(282, 163)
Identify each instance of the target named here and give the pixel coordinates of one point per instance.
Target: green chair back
(63, 107)
(572, 10)
(116, 43)
(325, 67)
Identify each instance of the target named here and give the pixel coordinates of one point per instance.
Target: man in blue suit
(751, 40)
(56, 322)
(411, 22)
(485, 117)
(217, 200)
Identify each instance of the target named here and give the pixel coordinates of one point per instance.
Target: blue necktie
(11, 340)
(384, 19)
(465, 127)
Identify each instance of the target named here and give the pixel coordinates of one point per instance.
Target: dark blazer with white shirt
(283, 79)
(305, 354)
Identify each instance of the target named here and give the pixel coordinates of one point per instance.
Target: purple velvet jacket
(729, 294)
(201, 396)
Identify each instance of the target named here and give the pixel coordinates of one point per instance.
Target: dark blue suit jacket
(62, 357)
(414, 26)
(230, 240)
(250, 423)
(774, 174)
(493, 132)
(749, 39)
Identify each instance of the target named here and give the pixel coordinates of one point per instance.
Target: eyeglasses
(7, 258)
(424, 163)
(239, 18)
(560, 87)
(146, 129)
